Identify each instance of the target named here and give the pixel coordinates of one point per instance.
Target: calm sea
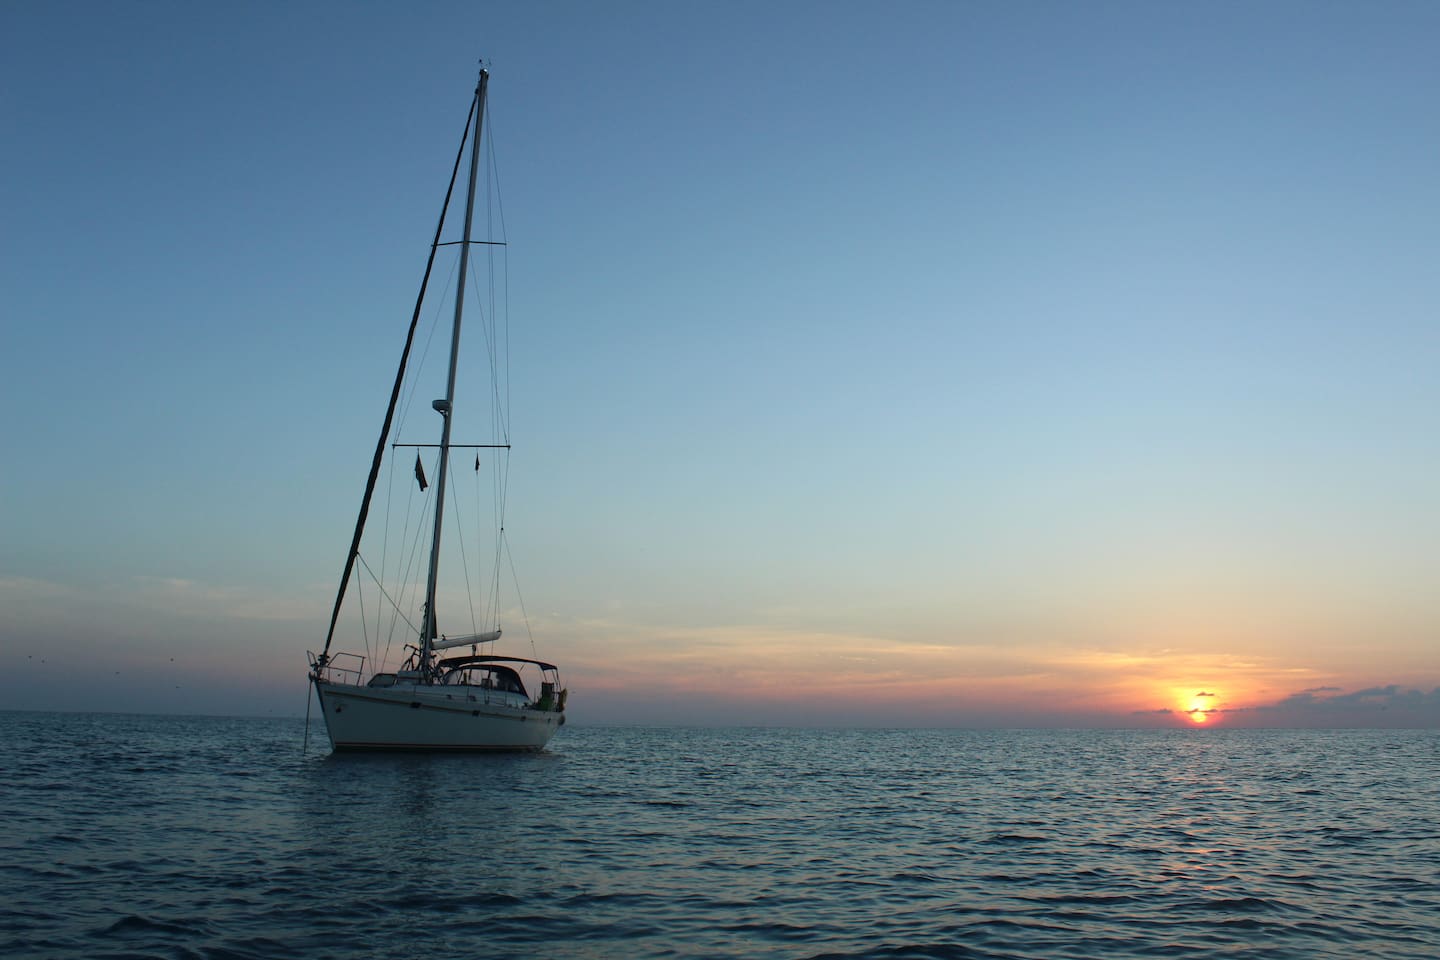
(128, 836)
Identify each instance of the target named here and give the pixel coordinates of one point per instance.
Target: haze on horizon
(945, 365)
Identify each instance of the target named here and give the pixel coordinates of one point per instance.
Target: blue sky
(1033, 359)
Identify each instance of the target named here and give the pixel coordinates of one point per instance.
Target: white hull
(438, 717)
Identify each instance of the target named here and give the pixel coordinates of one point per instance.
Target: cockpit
(488, 676)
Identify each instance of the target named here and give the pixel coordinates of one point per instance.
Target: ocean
(180, 837)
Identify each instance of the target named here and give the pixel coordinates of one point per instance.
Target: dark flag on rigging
(420, 474)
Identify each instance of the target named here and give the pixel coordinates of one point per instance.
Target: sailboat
(436, 700)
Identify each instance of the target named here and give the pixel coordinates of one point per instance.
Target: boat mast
(444, 407)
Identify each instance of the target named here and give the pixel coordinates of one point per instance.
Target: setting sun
(1200, 706)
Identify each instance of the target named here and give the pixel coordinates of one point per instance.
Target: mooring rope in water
(305, 746)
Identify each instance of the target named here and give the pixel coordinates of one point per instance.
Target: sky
(938, 364)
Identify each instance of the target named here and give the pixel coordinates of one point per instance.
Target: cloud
(1202, 693)
(1391, 706)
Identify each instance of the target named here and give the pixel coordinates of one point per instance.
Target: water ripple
(188, 837)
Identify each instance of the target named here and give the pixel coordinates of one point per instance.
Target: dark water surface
(137, 837)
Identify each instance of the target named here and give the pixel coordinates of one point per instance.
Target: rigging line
(415, 552)
(385, 546)
(494, 348)
(498, 519)
(490, 284)
(404, 566)
(480, 573)
(481, 576)
(385, 563)
(404, 535)
(494, 353)
(425, 353)
(505, 254)
(500, 484)
(502, 491)
(487, 326)
(381, 588)
(487, 329)
(502, 488)
(489, 176)
(505, 263)
(495, 171)
(464, 561)
(515, 577)
(389, 633)
(497, 414)
(497, 523)
(495, 582)
(486, 322)
(379, 456)
(364, 627)
(502, 481)
(490, 276)
(385, 550)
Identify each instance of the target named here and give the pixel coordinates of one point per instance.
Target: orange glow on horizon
(769, 671)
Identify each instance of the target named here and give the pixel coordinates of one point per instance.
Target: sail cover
(448, 642)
